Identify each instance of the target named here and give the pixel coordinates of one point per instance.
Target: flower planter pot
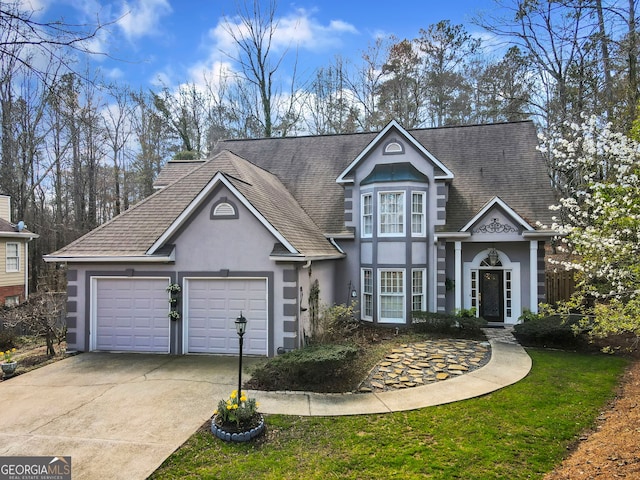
(9, 369)
(231, 433)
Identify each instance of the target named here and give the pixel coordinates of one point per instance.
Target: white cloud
(299, 29)
(141, 17)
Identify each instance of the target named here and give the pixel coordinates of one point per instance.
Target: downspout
(301, 340)
(26, 269)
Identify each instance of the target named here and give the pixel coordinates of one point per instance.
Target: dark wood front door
(491, 295)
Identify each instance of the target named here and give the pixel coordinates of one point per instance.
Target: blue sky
(176, 40)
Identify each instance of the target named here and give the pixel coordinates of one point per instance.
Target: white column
(533, 276)
(458, 276)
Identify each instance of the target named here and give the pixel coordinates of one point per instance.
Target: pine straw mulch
(612, 449)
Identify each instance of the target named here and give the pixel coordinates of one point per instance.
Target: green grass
(519, 432)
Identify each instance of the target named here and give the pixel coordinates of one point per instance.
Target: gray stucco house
(429, 219)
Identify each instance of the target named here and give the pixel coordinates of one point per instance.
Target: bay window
(367, 294)
(418, 214)
(391, 295)
(391, 213)
(367, 215)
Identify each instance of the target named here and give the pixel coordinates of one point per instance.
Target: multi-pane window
(391, 295)
(391, 208)
(417, 214)
(367, 293)
(367, 215)
(13, 257)
(418, 290)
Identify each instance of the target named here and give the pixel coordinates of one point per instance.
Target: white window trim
(364, 293)
(403, 295)
(424, 287)
(403, 223)
(7, 257)
(423, 223)
(363, 233)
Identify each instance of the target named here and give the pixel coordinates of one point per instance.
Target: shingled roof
(135, 231)
(8, 229)
(486, 160)
(291, 182)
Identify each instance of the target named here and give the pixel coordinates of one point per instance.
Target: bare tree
(365, 85)
(42, 315)
(329, 106)
(22, 36)
(551, 35)
(117, 125)
(254, 36)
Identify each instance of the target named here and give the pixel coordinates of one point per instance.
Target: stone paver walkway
(430, 361)
(503, 335)
(426, 362)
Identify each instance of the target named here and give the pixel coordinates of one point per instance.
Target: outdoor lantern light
(493, 257)
(352, 290)
(241, 327)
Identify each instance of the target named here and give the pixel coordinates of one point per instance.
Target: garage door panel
(131, 315)
(212, 307)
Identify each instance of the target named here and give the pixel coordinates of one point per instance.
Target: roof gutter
(29, 236)
(111, 259)
(541, 234)
(284, 258)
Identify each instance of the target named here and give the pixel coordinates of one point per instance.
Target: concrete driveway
(116, 415)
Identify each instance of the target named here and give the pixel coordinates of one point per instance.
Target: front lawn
(519, 432)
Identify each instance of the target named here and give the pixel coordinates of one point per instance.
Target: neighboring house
(14, 257)
(431, 219)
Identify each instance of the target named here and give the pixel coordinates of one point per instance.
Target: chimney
(5, 207)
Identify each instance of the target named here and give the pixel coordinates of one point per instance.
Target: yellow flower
(234, 394)
(243, 398)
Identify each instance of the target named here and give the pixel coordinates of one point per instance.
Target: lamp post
(241, 327)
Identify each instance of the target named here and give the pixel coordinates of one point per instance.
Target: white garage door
(212, 307)
(130, 314)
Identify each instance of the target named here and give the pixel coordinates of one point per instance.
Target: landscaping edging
(237, 437)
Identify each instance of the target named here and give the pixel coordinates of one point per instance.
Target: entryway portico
(498, 265)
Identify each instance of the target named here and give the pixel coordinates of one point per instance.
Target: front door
(491, 295)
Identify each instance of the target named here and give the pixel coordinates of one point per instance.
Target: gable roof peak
(393, 124)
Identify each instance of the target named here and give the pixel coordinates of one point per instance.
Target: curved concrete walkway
(509, 364)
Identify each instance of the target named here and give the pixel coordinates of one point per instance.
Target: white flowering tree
(600, 218)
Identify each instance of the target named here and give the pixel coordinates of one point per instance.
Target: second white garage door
(212, 306)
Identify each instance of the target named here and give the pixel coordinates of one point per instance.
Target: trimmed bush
(464, 324)
(307, 366)
(551, 331)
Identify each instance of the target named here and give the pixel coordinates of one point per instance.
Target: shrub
(429, 322)
(551, 331)
(7, 338)
(463, 323)
(528, 316)
(312, 365)
(336, 324)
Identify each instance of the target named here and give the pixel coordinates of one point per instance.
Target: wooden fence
(559, 285)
